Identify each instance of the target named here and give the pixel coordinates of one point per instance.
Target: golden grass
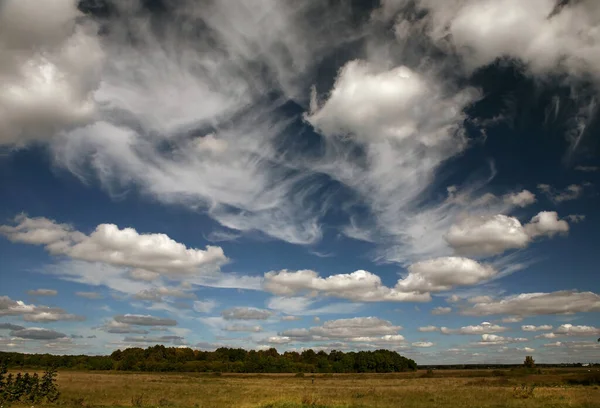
(482, 388)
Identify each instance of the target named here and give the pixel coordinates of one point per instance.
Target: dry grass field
(481, 388)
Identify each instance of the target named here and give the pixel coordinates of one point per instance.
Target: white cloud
(368, 331)
(441, 310)
(89, 295)
(144, 320)
(388, 113)
(359, 286)
(445, 273)
(520, 199)
(483, 328)
(512, 319)
(355, 327)
(157, 294)
(575, 218)
(546, 223)
(532, 328)
(492, 235)
(423, 344)
(572, 330)
(545, 37)
(278, 340)
(52, 315)
(531, 304)
(246, 313)
(205, 97)
(34, 313)
(113, 246)
(571, 192)
(115, 327)
(434, 275)
(42, 292)
(428, 329)
(204, 306)
(493, 339)
(487, 235)
(587, 169)
(546, 336)
(51, 59)
(290, 318)
(243, 328)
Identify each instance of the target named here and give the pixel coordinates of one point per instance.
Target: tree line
(230, 360)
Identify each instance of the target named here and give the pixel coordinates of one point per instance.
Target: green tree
(529, 362)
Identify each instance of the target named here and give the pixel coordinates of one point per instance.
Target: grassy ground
(481, 388)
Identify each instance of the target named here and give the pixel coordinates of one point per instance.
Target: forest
(229, 360)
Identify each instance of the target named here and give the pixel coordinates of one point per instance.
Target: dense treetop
(161, 358)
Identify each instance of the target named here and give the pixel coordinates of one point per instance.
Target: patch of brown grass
(480, 388)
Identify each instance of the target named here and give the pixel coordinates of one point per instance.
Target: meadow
(575, 387)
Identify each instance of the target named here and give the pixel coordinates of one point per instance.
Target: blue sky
(400, 175)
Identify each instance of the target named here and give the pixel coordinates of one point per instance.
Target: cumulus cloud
(531, 304)
(388, 112)
(493, 339)
(487, 235)
(546, 37)
(441, 310)
(483, 328)
(42, 292)
(243, 328)
(34, 313)
(144, 320)
(36, 333)
(290, 318)
(532, 328)
(434, 275)
(445, 273)
(520, 199)
(364, 331)
(246, 313)
(113, 246)
(428, 329)
(571, 330)
(360, 286)
(50, 68)
(423, 344)
(492, 235)
(115, 327)
(546, 223)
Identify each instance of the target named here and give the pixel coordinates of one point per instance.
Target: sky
(420, 176)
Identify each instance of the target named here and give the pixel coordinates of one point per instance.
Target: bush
(523, 391)
(428, 374)
(299, 375)
(28, 388)
(137, 400)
